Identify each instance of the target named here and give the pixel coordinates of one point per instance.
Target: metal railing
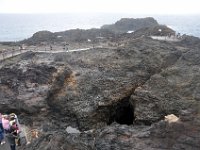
(14, 52)
(8, 54)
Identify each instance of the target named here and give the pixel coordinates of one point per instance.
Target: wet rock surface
(116, 97)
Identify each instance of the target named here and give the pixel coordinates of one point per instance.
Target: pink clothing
(0, 118)
(6, 124)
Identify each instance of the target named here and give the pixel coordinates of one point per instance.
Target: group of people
(9, 129)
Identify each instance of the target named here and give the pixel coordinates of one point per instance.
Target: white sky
(112, 6)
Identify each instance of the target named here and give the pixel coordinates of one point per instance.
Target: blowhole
(122, 112)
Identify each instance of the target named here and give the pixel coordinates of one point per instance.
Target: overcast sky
(111, 6)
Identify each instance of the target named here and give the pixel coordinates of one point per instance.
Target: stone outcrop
(42, 36)
(106, 32)
(183, 134)
(160, 30)
(129, 24)
(178, 89)
(73, 35)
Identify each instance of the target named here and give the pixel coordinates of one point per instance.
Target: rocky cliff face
(116, 97)
(129, 24)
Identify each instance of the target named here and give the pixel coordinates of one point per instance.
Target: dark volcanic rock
(121, 95)
(106, 32)
(159, 30)
(161, 135)
(62, 141)
(80, 35)
(74, 35)
(25, 86)
(84, 94)
(178, 89)
(165, 134)
(41, 36)
(130, 24)
(190, 41)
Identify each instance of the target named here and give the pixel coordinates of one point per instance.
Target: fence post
(3, 55)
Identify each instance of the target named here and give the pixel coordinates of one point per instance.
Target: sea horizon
(17, 27)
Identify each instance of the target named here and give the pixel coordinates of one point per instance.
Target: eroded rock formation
(130, 24)
(116, 97)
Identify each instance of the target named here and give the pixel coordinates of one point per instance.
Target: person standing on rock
(51, 48)
(12, 135)
(14, 123)
(9, 130)
(6, 123)
(1, 131)
(66, 47)
(11, 138)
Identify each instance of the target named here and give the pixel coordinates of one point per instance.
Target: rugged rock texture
(159, 30)
(41, 36)
(182, 134)
(190, 41)
(161, 135)
(117, 97)
(105, 33)
(74, 35)
(25, 84)
(80, 35)
(178, 89)
(129, 24)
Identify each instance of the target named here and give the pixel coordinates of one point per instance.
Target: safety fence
(57, 49)
(11, 53)
(8, 54)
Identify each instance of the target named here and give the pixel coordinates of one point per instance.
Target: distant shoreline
(16, 27)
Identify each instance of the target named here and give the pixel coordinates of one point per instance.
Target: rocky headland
(128, 91)
(130, 24)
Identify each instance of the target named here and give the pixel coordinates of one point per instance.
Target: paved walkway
(61, 51)
(166, 38)
(10, 54)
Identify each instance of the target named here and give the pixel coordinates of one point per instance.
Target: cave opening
(122, 112)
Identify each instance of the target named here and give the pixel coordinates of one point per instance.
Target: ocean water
(15, 27)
